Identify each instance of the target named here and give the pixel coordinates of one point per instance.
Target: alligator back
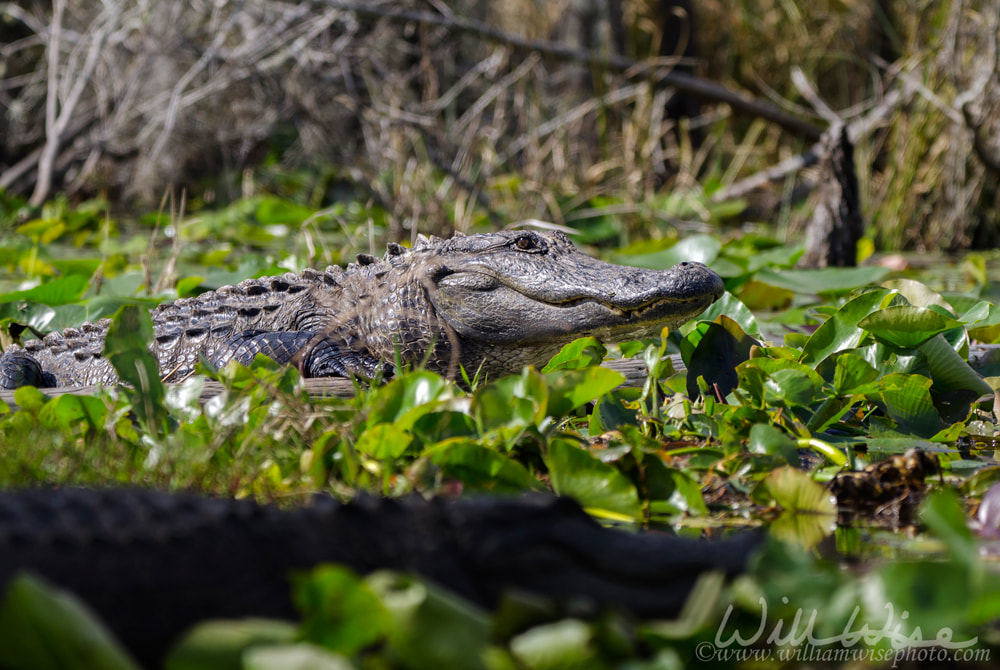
(204, 325)
(152, 564)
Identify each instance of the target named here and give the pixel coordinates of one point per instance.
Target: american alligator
(151, 563)
(493, 302)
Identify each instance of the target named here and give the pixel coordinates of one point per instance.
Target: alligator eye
(525, 243)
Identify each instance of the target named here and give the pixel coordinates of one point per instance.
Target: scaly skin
(494, 302)
(152, 564)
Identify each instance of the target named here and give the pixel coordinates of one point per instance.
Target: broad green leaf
(766, 439)
(730, 306)
(272, 210)
(795, 491)
(55, 292)
(443, 425)
(945, 516)
(480, 468)
(569, 389)
(672, 491)
(30, 398)
(774, 366)
(98, 308)
(577, 473)
(908, 402)
(131, 330)
(580, 353)
(126, 346)
(789, 388)
(220, 645)
(918, 294)
(949, 371)
(828, 281)
(32, 314)
(339, 609)
(809, 512)
(611, 412)
(729, 268)
(555, 646)
(721, 348)
(44, 628)
(126, 285)
(299, 656)
(906, 326)
(761, 297)
(983, 321)
(841, 330)
(852, 374)
(985, 606)
(188, 286)
(829, 412)
(782, 256)
(514, 401)
(72, 315)
(973, 312)
(935, 595)
(44, 231)
(405, 399)
(431, 628)
(383, 441)
(86, 267)
(68, 411)
(700, 248)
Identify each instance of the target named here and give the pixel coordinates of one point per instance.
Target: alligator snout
(705, 280)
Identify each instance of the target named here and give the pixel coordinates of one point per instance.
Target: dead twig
(806, 90)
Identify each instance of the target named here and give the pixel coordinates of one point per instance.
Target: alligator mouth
(641, 313)
(489, 307)
(705, 286)
(652, 308)
(657, 306)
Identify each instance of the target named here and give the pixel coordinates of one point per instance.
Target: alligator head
(513, 298)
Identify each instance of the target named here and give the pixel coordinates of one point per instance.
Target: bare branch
(55, 126)
(810, 94)
(702, 88)
(48, 153)
(861, 127)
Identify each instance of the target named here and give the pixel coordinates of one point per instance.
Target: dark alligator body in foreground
(494, 302)
(152, 564)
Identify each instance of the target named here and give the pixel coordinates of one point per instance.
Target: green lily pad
(340, 612)
(580, 353)
(906, 326)
(221, 644)
(44, 628)
(841, 331)
(480, 468)
(577, 473)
